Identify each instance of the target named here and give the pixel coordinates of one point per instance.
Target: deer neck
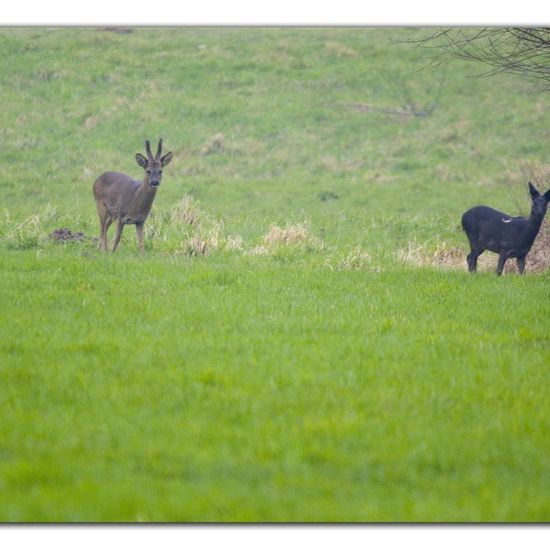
(534, 221)
(145, 195)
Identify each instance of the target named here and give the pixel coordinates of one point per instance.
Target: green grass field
(301, 340)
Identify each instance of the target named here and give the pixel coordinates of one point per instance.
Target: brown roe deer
(489, 229)
(119, 197)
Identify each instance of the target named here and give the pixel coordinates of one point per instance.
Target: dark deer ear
(547, 195)
(141, 160)
(533, 191)
(166, 158)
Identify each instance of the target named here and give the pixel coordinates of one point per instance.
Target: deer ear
(533, 191)
(166, 158)
(547, 195)
(141, 160)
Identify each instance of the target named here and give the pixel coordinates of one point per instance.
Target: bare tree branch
(524, 51)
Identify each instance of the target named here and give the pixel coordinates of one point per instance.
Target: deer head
(540, 201)
(153, 165)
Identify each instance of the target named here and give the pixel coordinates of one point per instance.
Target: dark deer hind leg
(119, 228)
(472, 259)
(502, 257)
(520, 260)
(139, 235)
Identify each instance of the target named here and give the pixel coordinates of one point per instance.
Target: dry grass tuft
(442, 255)
(356, 259)
(199, 233)
(29, 233)
(258, 251)
(216, 144)
(291, 235)
(186, 213)
(196, 246)
(413, 253)
(234, 242)
(448, 256)
(205, 240)
(538, 260)
(90, 122)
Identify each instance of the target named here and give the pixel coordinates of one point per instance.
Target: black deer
(489, 229)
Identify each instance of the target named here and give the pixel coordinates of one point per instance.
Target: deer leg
(102, 234)
(139, 236)
(472, 259)
(520, 260)
(118, 234)
(105, 224)
(501, 261)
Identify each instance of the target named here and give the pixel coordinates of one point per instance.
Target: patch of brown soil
(63, 234)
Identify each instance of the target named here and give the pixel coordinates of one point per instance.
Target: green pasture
(301, 340)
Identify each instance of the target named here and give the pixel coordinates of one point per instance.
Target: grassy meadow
(301, 340)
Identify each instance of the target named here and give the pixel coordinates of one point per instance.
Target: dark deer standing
(119, 197)
(489, 229)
